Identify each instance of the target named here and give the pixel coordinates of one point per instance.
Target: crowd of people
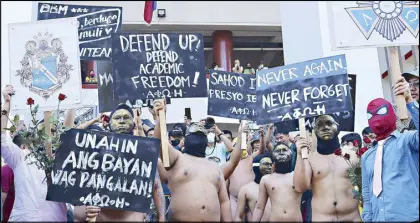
(238, 68)
(272, 176)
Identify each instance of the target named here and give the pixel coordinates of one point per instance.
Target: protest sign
(345, 118)
(302, 90)
(232, 95)
(96, 24)
(149, 66)
(44, 62)
(106, 91)
(104, 169)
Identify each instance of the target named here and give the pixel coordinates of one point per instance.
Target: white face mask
(210, 137)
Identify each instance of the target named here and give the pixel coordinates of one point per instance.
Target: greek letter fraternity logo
(44, 65)
(388, 18)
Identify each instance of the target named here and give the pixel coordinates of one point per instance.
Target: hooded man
(390, 171)
(198, 189)
(326, 173)
(279, 188)
(248, 194)
(122, 122)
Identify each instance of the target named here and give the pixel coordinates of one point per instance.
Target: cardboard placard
(105, 169)
(305, 89)
(232, 95)
(150, 66)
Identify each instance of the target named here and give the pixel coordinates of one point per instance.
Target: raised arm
(262, 201)
(303, 170)
(267, 140)
(262, 147)
(159, 198)
(225, 211)
(90, 122)
(235, 157)
(173, 153)
(11, 153)
(402, 87)
(240, 210)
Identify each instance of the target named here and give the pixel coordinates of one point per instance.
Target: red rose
(30, 101)
(346, 156)
(337, 152)
(361, 151)
(61, 97)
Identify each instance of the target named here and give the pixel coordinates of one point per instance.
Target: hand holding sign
(402, 88)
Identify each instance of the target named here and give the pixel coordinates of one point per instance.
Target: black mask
(283, 167)
(256, 166)
(175, 142)
(195, 144)
(327, 147)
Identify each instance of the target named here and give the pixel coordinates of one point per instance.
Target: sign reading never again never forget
(96, 24)
(345, 118)
(305, 89)
(149, 66)
(232, 95)
(104, 169)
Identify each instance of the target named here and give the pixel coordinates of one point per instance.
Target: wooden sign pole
(47, 125)
(164, 136)
(302, 131)
(395, 70)
(136, 122)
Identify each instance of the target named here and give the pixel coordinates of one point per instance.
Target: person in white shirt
(30, 182)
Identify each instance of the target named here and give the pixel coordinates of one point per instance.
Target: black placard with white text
(301, 90)
(232, 95)
(106, 101)
(149, 66)
(96, 24)
(105, 169)
(345, 118)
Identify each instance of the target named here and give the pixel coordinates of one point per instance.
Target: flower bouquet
(352, 155)
(40, 143)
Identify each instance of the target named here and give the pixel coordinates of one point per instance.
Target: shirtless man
(279, 188)
(248, 194)
(326, 173)
(243, 173)
(197, 185)
(122, 122)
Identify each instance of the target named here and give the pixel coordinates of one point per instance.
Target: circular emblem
(387, 9)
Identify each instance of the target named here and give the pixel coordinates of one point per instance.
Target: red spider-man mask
(381, 117)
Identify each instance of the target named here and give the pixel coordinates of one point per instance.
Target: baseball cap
(414, 73)
(176, 132)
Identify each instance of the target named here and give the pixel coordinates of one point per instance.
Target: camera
(209, 123)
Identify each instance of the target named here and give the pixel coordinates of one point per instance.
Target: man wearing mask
(243, 173)
(326, 173)
(368, 137)
(390, 170)
(279, 188)
(217, 153)
(176, 136)
(198, 189)
(248, 194)
(248, 69)
(122, 122)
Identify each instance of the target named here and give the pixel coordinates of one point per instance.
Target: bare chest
(196, 169)
(328, 166)
(278, 185)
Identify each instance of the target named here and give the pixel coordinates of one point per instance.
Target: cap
(176, 132)
(414, 73)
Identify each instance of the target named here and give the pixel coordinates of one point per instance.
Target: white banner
(44, 62)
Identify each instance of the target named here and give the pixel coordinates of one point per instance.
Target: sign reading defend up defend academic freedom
(148, 66)
(105, 169)
(305, 89)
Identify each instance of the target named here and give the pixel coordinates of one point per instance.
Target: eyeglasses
(414, 85)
